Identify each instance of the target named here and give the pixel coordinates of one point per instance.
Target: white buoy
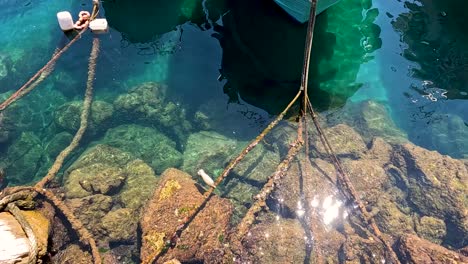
(206, 178)
(99, 26)
(65, 20)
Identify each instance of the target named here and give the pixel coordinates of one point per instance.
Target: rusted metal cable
(347, 188)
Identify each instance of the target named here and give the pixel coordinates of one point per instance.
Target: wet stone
(432, 229)
(145, 143)
(176, 197)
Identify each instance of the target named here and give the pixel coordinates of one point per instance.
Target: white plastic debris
(206, 178)
(65, 20)
(99, 26)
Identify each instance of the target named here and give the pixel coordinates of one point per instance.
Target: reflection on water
(263, 50)
(435, 41)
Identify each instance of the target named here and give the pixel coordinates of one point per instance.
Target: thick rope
(33, 249)
(46, 70)
(22, 193)
(84, 118)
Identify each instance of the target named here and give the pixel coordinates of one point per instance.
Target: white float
(65, 20)
(99, 26)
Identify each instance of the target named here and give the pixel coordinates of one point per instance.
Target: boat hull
(299, 9)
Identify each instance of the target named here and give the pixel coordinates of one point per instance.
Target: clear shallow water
(240, 62)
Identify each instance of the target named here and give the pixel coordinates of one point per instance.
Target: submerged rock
(58, 143)
(448, 135)
(432, 229)
(371, 119)
(24, 157)
(68, 116)
(176, 197)
(416, 250)
(106, 189)
(275, 241)
(208, 151)
(148, 102)
(344, 140)
(437, 186)
(145, 143)
(97, 178)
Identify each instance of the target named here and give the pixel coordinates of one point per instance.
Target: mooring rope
(33, 248)
(84, 118)
(45, 71)
(21, 193)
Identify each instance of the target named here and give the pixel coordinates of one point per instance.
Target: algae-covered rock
(175, 199)
(378, 122)
(306, 183)
(258, 164)
(24, 158)
(102, 154)
(371, 119)
(106, 188)
(437, 186)
(120, 225)
(148, 102)
(415, 250)
(390, 218)
(208, 151)
(344, 140)
(97, 178)
(448, 135)
(139, 185)
(73, 254)
(58, 143)
(68, 116)
(145, 143)
(380, 151)
(32, 113)
(359, 250)
(368, 178)
(275, 241)
(432, 229)
(90, 210)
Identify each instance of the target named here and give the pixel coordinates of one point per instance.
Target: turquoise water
(188, 83)
(243, 56)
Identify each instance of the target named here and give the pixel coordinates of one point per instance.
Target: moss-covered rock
(24, 158)
(432, 229)
(344, 140)
(107, 188)
(58, 143)
(208, 151)
(145, 143)
(437, 186)
(68, 116)
(120, 225)
(148, 102)
(97, 178)
(139, 185)
(175, 199)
